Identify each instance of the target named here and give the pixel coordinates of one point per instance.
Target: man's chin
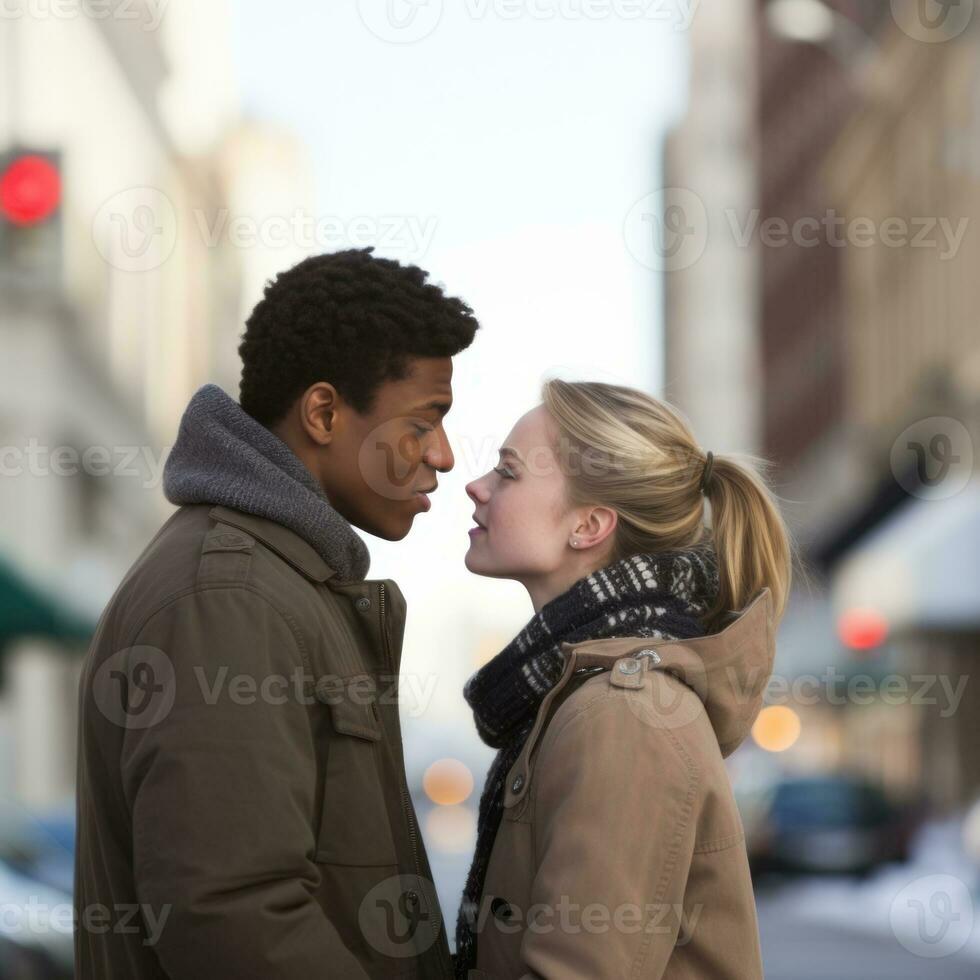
(390, 530)
(391, 522)
(388, 533)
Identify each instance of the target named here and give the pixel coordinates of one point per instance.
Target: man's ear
(316, 412)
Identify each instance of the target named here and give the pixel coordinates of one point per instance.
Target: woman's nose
(476, 492)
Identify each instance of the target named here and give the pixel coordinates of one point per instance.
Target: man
(242, 804)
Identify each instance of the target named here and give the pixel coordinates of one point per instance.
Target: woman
(609, 843)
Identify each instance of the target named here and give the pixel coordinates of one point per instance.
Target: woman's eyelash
(504, 472)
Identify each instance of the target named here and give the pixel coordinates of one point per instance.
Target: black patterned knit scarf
(663, 596)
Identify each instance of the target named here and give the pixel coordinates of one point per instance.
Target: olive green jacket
(242, 804)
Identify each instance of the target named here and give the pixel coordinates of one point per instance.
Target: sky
(500, 145)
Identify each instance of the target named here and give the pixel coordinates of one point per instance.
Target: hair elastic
(706, 473)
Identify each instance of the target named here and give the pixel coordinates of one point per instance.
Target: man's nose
(440, 456)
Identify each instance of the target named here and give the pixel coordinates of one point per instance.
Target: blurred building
(907, 547)
(712, 351)
(867, 354)
(268, 176)
(811, 62)
(112, 303)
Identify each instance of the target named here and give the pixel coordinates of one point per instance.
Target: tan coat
(621, 852)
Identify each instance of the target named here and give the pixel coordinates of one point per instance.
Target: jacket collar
(303, 557)
(284, 542)
(728, 670)
(223, 456)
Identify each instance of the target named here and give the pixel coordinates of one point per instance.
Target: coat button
(501, 909)
(229, 540)
(629, 666)
(655, 657)
(364, 603)
(517, 783)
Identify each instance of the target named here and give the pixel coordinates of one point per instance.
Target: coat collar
(284, 542)
(305, 559)
(728, 670)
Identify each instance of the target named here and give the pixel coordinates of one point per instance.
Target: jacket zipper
(402, 788)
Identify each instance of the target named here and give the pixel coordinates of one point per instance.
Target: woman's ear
(594, 526)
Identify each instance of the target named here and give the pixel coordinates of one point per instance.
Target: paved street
(797, 947)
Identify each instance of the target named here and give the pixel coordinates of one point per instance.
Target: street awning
(919, 568)
(25, 610)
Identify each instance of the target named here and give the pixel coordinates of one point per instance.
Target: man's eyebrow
(441, 407)
(507, 451)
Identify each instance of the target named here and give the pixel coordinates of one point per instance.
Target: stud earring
(574, 542)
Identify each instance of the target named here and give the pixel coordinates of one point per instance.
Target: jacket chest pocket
(355, 828)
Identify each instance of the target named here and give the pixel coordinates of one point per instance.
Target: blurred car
(36, 866)
(828, 823)
(36, 941)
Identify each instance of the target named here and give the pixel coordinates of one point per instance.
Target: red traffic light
(862, 629)
(30, 190)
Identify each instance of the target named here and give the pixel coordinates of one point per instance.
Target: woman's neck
(543, 588)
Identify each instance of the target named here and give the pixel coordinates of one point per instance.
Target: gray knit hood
(224, 456)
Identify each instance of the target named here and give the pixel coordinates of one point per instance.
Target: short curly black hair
(351, 318)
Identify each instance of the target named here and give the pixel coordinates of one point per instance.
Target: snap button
(518, 782)
(218, 540)
(229, 540)
(363, 603)
(501, 909)
(630, 666)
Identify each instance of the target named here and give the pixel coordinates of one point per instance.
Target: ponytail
(645, 464)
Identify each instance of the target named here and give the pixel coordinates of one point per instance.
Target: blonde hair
(624, 449)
